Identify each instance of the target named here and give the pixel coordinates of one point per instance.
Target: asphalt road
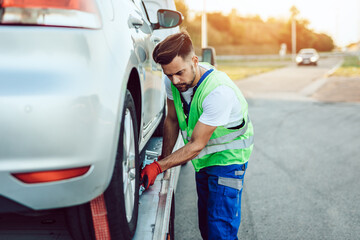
(289, 83)
(303, 178)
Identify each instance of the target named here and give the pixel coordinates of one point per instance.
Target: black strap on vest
(238, 126)
(186, 106)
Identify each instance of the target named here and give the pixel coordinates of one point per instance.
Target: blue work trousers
(219, 191)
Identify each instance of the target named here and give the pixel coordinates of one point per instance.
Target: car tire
(121, 198)
(122, 195)
(79, 222)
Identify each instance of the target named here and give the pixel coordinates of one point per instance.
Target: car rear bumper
(59, 109)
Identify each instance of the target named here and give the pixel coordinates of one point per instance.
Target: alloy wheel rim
(128, 165)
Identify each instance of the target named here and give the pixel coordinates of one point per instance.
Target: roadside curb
(318, 83)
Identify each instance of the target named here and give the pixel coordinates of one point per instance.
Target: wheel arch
(134, 87)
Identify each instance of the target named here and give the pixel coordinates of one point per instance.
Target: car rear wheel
(121, 198)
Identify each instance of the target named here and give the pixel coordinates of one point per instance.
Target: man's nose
(176, 80)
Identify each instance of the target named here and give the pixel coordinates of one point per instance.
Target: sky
(338, 18)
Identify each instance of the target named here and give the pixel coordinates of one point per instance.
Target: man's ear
(195, 60)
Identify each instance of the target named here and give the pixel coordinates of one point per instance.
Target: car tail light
(51, 176)
(68, 13)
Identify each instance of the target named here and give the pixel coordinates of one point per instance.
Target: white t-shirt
(220, 108)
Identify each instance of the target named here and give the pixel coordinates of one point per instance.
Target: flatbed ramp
(155, 221)
(156, 209)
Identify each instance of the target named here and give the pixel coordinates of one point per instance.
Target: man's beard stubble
(184, 86)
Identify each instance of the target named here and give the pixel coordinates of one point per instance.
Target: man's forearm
(171, 133)
(199, 139)
(181, 156)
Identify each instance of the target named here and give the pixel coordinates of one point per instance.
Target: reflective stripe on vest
(237, 144)
(229, 137)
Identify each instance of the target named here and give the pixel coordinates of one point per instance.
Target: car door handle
(135, 21)
(155, 39)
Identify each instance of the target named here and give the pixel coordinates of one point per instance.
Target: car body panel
(55, 112)
(61, 98)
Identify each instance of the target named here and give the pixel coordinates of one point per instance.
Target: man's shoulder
(217, 79)
(222, 90)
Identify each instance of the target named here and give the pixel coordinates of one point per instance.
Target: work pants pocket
(224, 200)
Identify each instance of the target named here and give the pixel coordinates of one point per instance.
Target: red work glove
(149, 174)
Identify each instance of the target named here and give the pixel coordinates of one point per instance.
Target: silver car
(80, 96)
(307, 56)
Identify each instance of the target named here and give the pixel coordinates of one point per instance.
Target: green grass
(351, 61)
(240, 69)
(237, 73)
(350, 67)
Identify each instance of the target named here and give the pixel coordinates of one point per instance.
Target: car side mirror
(209, 55)
(168, 19)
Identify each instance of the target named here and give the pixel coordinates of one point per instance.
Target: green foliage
(324, 42)
(349, 68)
(219, 22)
(240, 69)
(183, 8)
(251, 35)
(305, 38)
(351, 61)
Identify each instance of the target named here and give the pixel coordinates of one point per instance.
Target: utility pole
(204, 27)
(358, 27)
(294, 12)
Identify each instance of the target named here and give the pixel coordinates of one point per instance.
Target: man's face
(181, 72)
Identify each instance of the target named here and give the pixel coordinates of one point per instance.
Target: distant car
(307, 56)
(80, 96)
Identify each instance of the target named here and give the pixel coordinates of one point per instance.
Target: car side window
(145, 10)
(141, 6)
(151, 8)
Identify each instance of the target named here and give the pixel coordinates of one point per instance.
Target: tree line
(235, 34)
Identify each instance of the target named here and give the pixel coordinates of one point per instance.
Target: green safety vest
(226, 146)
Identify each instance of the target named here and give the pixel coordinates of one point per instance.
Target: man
(212, 115)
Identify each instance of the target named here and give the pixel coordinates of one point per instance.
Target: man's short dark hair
(178, 44)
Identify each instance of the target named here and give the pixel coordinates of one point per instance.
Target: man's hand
(149, 174)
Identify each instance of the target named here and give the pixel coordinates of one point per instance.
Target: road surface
(303, 178)
(289, 83)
